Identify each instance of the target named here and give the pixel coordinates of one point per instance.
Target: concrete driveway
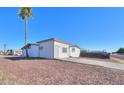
(99, 63)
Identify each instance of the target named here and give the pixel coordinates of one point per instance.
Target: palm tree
(25, 13)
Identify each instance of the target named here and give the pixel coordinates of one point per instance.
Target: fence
(95, 54)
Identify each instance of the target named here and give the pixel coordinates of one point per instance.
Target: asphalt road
(118, 56)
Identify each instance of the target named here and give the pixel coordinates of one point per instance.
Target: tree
(120, 50)
(25, 13)
(9, 52)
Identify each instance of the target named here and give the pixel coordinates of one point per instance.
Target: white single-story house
(51, 48)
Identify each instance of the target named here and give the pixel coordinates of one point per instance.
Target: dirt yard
(53, 72)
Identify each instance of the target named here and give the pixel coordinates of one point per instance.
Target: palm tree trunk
(4, 49)
(26, 30)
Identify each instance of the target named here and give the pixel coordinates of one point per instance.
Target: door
(56, 51)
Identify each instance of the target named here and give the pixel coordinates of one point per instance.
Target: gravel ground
(54, 72)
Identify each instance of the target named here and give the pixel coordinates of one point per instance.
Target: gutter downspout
(53, 49)
(69, 51)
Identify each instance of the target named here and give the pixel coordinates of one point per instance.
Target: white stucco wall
(75, 53)
(58, 53)
(47, 49)
(32, 51)
(23, 53)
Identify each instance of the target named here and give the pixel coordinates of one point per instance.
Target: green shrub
(120, 50)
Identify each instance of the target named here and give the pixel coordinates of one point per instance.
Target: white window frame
(73, 49)
(64, 50)
(41, 47)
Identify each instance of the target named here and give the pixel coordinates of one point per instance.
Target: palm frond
(25, 12)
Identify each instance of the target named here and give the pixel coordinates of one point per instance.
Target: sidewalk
(99, 63)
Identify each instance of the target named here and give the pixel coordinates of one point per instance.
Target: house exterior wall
(33, 51)
(46, 49)
(23, 53)
(52, 49)
(75, 53)
(58, 50)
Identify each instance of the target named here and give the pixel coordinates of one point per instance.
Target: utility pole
(4, 49)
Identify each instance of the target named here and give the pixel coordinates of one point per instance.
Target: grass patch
(116, 61)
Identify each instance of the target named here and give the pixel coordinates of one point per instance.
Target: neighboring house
(17, 52)
(51, 48)
(1, 52)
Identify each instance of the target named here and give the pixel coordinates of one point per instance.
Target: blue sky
(90, 28)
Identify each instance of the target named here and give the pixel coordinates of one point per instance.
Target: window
(29, 47)
(64, 50)
(41, 48)
(73, 49)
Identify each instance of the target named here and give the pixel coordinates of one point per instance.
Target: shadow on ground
(23, 58)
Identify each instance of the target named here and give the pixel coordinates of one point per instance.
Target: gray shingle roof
(28, 45)
(54, 39)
